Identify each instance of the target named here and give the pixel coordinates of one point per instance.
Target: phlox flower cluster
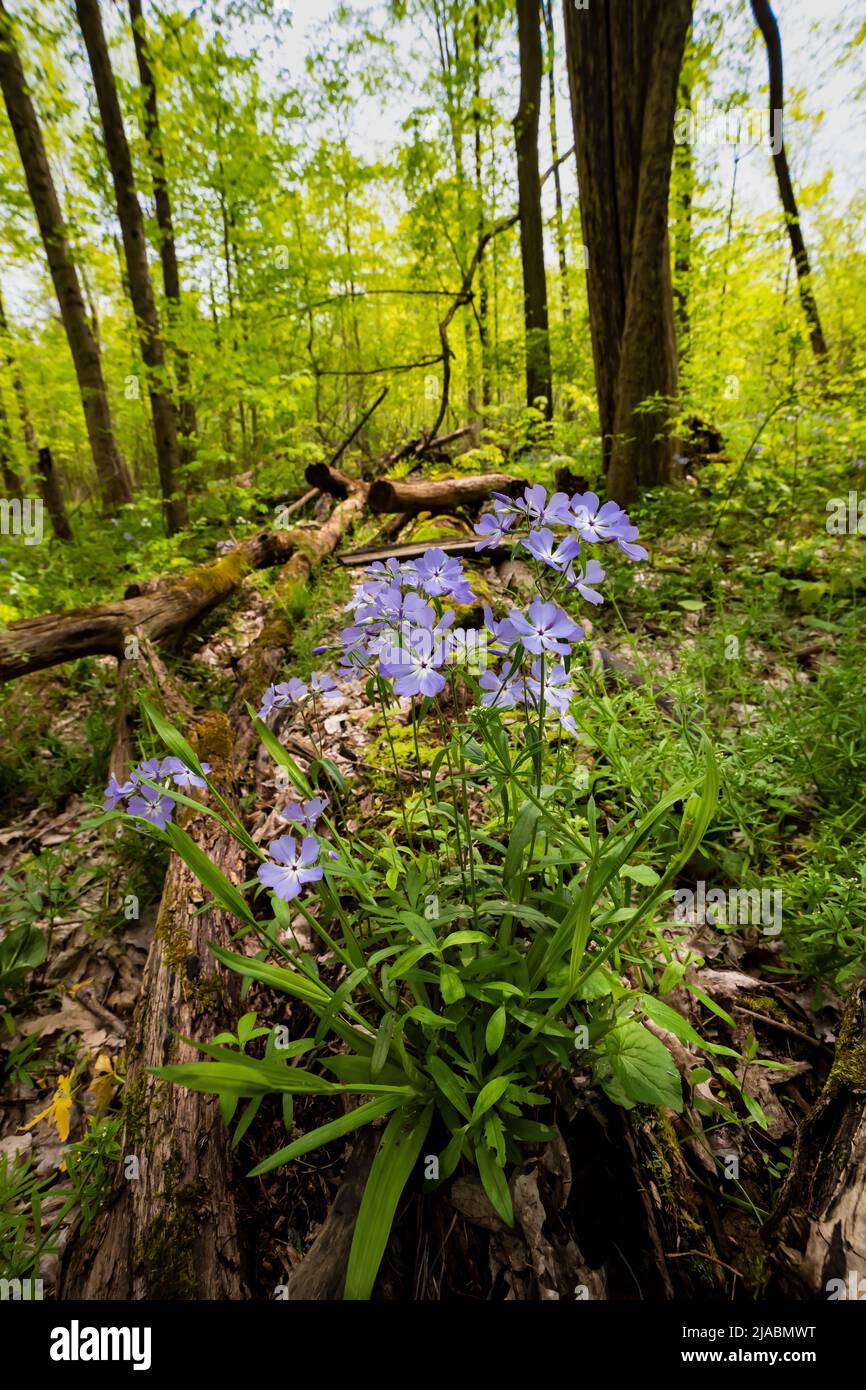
(151, 803)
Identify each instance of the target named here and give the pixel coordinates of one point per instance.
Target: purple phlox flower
(390, 605)
(558, 692)
(282, 695)
(440, 574)
(626, 540)
(583, 583)
(501, 692)
(534, 505)
(181, 775)
(222, 547)
(492, 528)
(414, 665)
(152, 769)
(152, 806)
(305, 813)
(503, 630)
(321, 683)
(545, 628)
(293, 868)
(116, 791)
(542, 544)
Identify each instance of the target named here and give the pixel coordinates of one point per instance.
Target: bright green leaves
(398, 1152)
(643, 1067)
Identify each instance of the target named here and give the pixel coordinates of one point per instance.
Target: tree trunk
(52, 496)
(30, 441)
(114, 482)
(135, 250)
(167, 248)
(538, 373)
(766, 22)
(12, 480)
(819, 1225)
(623, 68)
(171, 1231)
(547, 12)
(684, 192)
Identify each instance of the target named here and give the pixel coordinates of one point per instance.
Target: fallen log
(171, 1228)
(439, 494)
(412, 550)
(159, 614)
(330, 480)
(819, 1225)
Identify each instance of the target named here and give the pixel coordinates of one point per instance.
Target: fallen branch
(438, 495)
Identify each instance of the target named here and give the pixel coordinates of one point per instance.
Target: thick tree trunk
(114, 482)
(135, 250)
(818, 1230)
(766, 22)
(437, 495)
(539, 380)
(52, 496)
(167, 248)
(623, 68)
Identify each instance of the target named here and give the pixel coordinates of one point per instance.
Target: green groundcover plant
(505, 938)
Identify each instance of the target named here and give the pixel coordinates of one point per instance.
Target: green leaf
(495, 1030)
(643, 1066)
(449, 1084)
(382, 1044)
(521, 835)
(489, 1095)
(395, 1158)
(315, 1138)
(668, 1018)
(207, 873)
(172, 738)
(451, 986)
(640, 873)
(495, 1185)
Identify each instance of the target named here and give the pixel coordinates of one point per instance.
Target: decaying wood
(163, 612)
(438, 494)
(171, 1230)
(819, 1226)
(262, 659)
(322, 1272)
(329, 479)
(411, 550)
(142, 671)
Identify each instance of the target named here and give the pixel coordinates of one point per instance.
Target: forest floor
(747, 631)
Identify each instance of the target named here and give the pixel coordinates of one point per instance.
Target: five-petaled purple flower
(181, 775)
(545, 628)
(282, 695)
(152, 806)
(441, 576)
(305, 813)
(542, 544)
(293, 868)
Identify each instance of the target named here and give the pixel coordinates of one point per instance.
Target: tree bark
(114, 482)
(766, 21)
(129, 214)
(437, 495)
(623, 68)
(819, 1225)
(12, 480)
(52, 496)
(162, 613)
(167, 247)
(538, 374)
(172, 1229)
(547, 12)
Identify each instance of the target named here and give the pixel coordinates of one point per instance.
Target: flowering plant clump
(500, 939)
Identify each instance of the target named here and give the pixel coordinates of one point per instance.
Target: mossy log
(161, 613)
(171, 1229)
(818, 1230)
(438, 494)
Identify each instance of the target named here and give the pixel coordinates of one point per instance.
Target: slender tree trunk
(547, 12)
(538, 373)
(135, 250)
(167, 248)
(12, 480)
(483, 291)
(114, 482)
(766, 22)
(684, 191)
(30, 442)
(623, 69)
(49, 487)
